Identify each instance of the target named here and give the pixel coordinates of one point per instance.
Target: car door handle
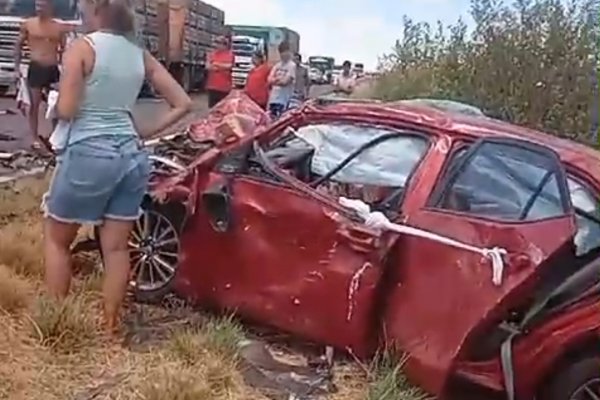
(360, 241)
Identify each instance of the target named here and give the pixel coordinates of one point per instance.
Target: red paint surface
(447, 293)
(291, 256)
(536, 354)
(288, 262)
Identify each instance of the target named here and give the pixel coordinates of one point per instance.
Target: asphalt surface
(146, 113)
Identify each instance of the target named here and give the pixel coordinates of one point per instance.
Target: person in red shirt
(220, 63)
(257, 86)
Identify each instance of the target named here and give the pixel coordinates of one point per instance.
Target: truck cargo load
(180, 33)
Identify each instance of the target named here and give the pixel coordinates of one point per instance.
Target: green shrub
(533, 61)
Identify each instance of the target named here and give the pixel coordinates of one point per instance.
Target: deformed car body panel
(288, 261)
(292, 258)
(539, 351)
(460, 295)
(465, 298)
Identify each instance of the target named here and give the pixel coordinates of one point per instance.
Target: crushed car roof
(571, 153)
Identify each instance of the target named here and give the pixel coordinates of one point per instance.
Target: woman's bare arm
(72, 79)
(170, 90)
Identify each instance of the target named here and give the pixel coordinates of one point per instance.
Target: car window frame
(444, 178)
(575, 177)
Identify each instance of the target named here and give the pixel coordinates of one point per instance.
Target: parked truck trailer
(179, 33)
(247, 39)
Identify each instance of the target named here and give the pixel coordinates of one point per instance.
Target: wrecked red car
(468, 243)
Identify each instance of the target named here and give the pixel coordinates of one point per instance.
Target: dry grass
(21, 199)
(53, 350)
(15, 292)
(65, 326)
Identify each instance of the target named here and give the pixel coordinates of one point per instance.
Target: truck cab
(325, 66)
(243, 48)
(12, 15)
(359, 70)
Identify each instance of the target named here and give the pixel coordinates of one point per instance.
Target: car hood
(177, 158)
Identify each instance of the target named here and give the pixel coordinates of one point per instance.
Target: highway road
(145, 113)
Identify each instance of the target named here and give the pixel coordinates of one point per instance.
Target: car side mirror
(217, 203)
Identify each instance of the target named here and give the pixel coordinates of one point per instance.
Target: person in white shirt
(283, 81)
(346, 82)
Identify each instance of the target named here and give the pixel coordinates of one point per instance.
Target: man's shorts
(40, 76)
(97, 179)
(276, 110)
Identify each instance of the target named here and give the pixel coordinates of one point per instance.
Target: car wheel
(580, 380)
(154, 246)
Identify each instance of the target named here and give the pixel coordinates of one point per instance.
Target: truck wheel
(580, 380)
(154, 250)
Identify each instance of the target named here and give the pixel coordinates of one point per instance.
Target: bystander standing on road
(257, 85)
(102, 173)
(45, 38)
(346, 82)
(282, 80)
(220, 64)
(302, 85)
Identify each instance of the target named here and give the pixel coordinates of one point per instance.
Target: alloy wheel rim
(154, 251)
(589, 390)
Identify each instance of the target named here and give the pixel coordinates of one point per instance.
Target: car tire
(4, 90)
(161, 241)
(574, 381)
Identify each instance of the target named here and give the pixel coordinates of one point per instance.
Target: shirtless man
(45, 38)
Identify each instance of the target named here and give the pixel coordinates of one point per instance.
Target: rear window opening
(370, 163)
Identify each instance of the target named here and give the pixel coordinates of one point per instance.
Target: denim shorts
(97, 179)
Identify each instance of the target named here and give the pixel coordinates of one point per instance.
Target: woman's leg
(120, 214)
(58, 237)
(113, 239)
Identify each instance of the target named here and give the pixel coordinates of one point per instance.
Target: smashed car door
(503, 194)
(279, 256)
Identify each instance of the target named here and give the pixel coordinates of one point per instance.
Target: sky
(357, 30)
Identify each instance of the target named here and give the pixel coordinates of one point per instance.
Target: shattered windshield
(388, 163)
(244, 48)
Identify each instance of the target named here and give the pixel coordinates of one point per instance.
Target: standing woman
(102, 171)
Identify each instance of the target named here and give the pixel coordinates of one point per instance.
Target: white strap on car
(379, 221)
